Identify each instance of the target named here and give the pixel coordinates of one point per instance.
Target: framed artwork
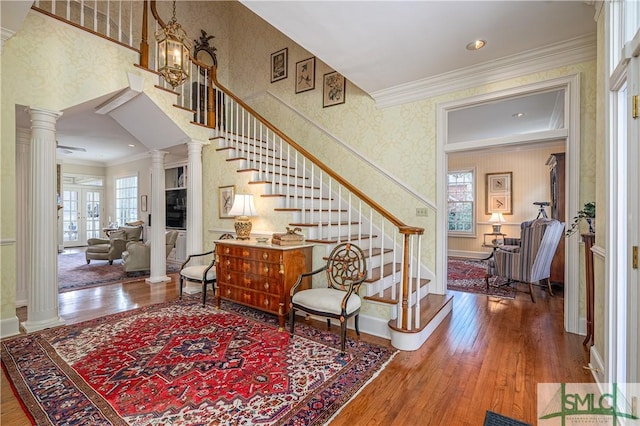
(333, 89)
(225, 200)
(306, 75)
(279, 62)
(143, 203)
(499, 193)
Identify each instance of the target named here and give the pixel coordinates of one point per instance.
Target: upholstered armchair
(529, 260)
(111, 249)
(137, 257)
(346, 270)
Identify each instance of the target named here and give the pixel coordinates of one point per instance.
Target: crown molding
(576, 50)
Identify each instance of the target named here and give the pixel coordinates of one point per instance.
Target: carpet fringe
(372, 378)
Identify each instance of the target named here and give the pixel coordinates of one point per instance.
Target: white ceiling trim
(580, 49)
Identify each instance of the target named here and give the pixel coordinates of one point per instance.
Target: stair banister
(407, 231)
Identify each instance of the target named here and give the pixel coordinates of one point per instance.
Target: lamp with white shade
(497, 219)
(242, 208)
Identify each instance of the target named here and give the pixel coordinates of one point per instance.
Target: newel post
(144, 44)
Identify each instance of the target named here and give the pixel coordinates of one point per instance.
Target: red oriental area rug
(468, 275)
(178, 363)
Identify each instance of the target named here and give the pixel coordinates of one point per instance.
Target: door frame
(570, 133)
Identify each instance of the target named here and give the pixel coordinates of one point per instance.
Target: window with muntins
(461, 202)
(126, 199)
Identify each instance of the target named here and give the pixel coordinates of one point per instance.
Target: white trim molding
(9, 327)
(573, 51)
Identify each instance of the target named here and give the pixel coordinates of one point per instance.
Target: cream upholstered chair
(112, 248)
(346, 270)
(204, 274)
(137, 257)
(530, 261)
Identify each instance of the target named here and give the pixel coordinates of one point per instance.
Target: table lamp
(242, 208)
(497, 219)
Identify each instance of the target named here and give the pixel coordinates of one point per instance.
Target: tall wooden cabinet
(556, 163)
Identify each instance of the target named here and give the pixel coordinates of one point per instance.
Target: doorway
(82, 201)
(566, 129)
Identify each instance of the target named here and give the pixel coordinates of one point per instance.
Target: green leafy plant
(588, 212)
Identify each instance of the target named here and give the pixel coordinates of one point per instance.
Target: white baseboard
(468, 254)
(597, 365)
(9, 327)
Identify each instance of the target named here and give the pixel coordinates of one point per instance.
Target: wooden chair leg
(343, 336)
(328, 323)
(180, 281)
(292, 319)
(549, 287)
(356, 323)
(531, 293)
(204, 293)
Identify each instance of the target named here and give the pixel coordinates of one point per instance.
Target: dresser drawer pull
(245, 253)
(228, 278)
(228, 291)
(226, 250)
(265, 255)
(266, 269)
(228, 263)
(266, 302)
(266, 286)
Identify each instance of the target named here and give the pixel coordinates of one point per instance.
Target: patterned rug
(178, 363)
(468, 275)
(74, 273)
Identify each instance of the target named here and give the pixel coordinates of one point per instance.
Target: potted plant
(587, 213)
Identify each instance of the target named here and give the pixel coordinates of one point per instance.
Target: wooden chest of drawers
(260, 275)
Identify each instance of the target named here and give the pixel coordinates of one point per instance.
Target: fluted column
(43, 288)
(194, 197)
(23, 209)
(158, 220)
(194, 206)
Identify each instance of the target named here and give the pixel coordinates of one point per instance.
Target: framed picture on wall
(279, 62)
(225, 200)
(499, 193)
(306, 75)
(333, 89)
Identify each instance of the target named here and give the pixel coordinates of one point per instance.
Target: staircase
(325, 206)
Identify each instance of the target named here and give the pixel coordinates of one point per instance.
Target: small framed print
(143, 203)
(306, 75)
(279, 62)
(333, 89)
(225, 200)
(499, 193)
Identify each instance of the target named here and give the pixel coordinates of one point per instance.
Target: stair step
(308, 197)
(430, 306)
(252, 169)
(334, 240)
(268, 182)
(312, 225)
(387, 297)
(378, 272)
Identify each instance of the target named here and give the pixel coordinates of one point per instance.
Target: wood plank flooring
(489, 354)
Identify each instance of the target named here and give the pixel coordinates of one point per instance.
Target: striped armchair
(529, 263)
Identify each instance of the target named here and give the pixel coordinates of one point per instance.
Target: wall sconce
(497, 219)
(242, 208)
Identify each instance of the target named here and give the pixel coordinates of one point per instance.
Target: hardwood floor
(489, 354)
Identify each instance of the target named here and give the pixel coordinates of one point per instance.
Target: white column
(157, 238)
(43, 288)
(194, 207)
(194, 197)
(23, 207)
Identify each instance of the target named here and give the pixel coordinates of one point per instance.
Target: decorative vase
(591, 221)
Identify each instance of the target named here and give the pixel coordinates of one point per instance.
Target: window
(461, 202)
(126, 199)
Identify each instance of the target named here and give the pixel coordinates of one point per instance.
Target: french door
(81, 212)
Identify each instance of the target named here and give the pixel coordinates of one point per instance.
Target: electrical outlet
(422, 211)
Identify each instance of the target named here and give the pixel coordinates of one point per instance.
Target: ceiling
(380, 45)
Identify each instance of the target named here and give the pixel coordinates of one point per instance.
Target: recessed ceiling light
(476, 45)
(518, 114)
(131, 145)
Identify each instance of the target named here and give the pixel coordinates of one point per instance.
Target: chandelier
(173, 52)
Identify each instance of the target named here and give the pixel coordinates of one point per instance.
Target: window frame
(133, 198)
(472, 233)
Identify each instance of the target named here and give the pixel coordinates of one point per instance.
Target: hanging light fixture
(173, 52)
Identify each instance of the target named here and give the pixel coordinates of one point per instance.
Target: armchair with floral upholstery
(111, 248)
